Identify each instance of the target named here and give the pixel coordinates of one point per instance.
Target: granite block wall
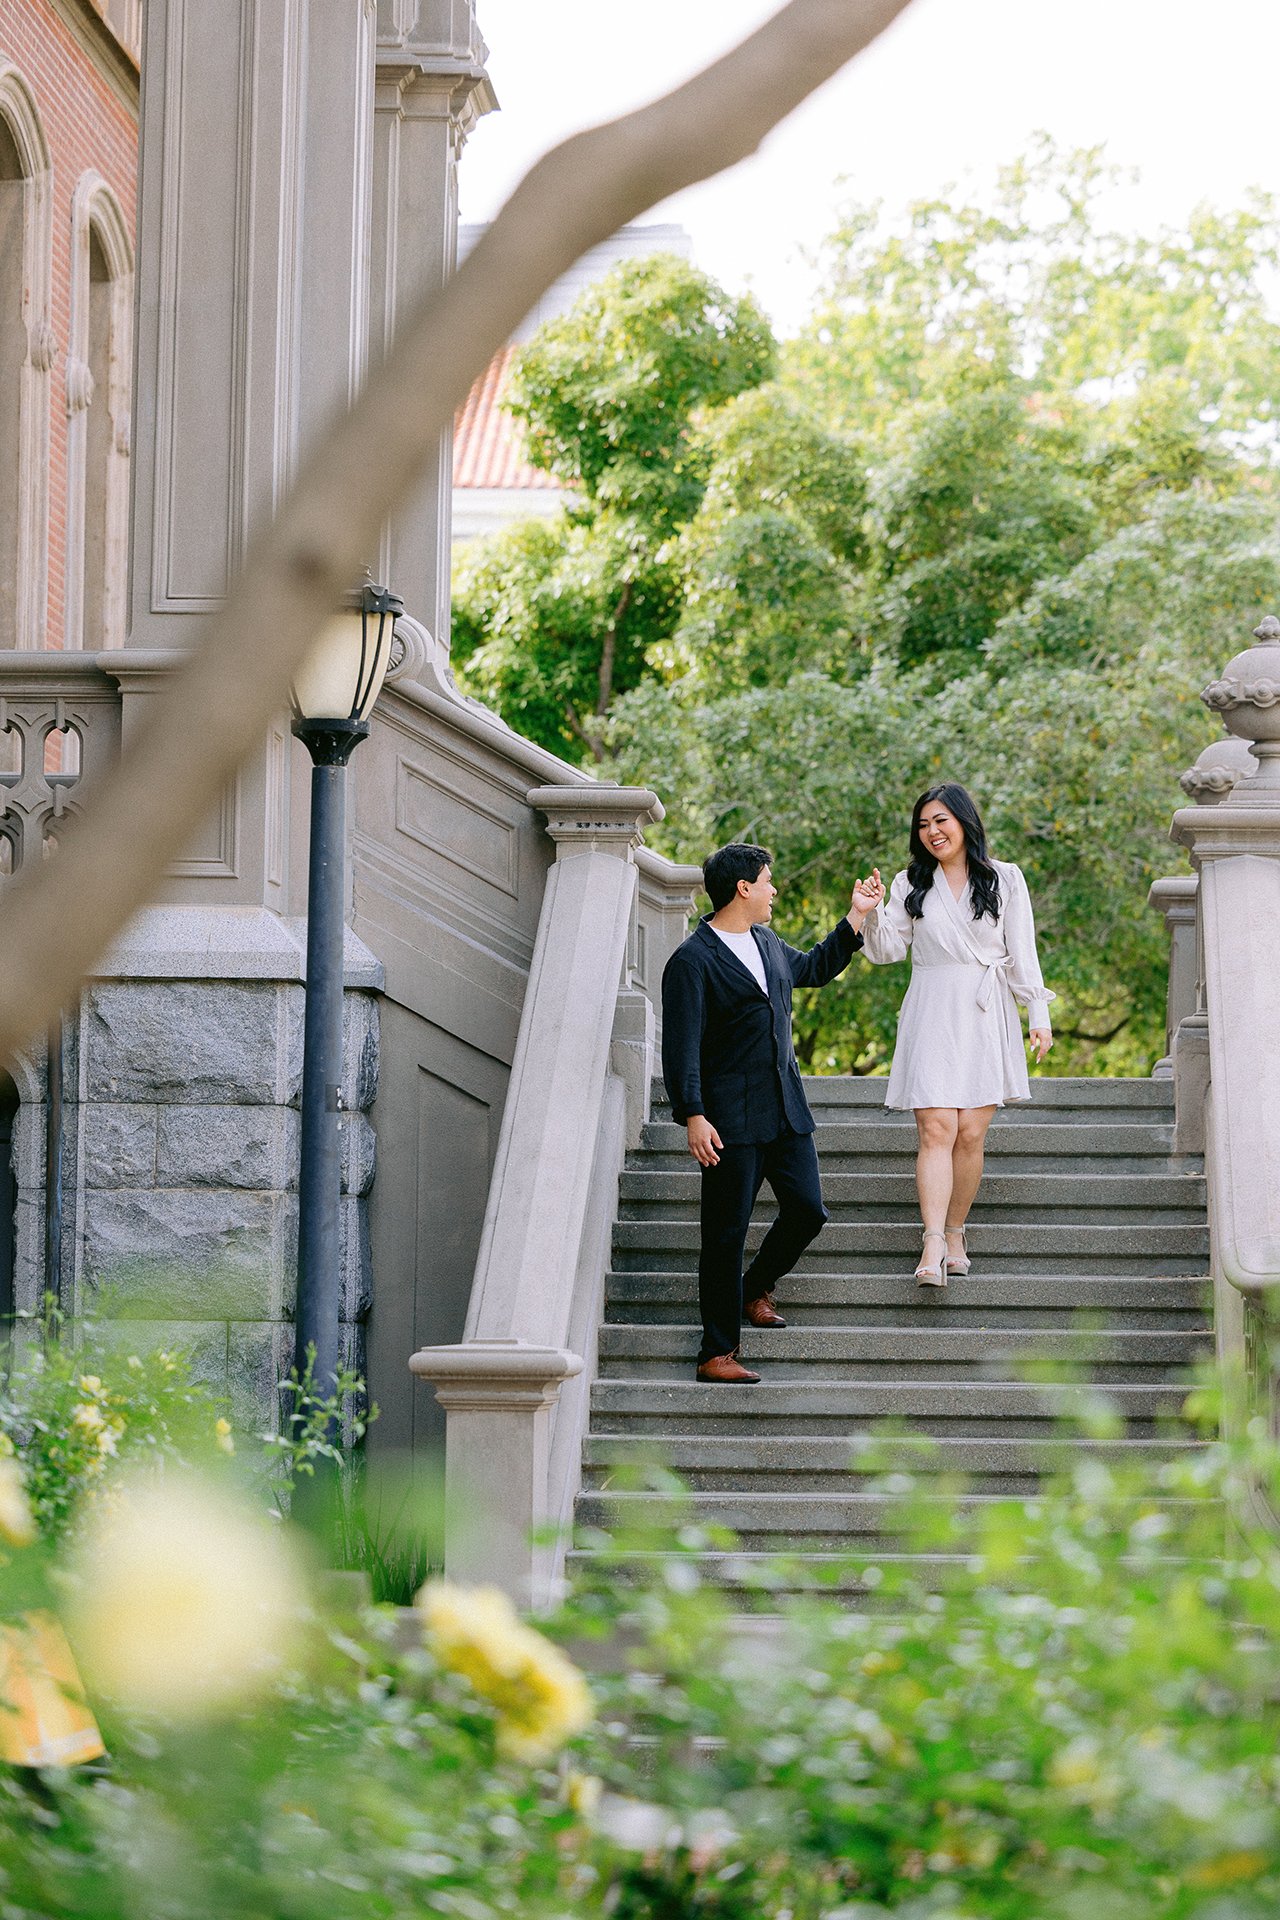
(180, 1172)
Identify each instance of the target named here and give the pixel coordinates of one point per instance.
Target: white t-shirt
(743, 945)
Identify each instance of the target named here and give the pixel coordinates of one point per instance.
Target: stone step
(812, 1522)
(771, 1462)
(1049, 1096)
(893, 1299)
(658, 1245)
(904, 1353)
(866, 1577)
(992, 1409)
(759, 1579)
(1162, 1199)
(893, 1141)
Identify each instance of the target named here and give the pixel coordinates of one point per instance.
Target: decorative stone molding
(43, 346)
(30, 561)
(1248, 697)
(606, 817)
(79, 380)
(1216, 772)
(101, 497)
(412, 650)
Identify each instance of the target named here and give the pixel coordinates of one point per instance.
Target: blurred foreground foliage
(1078, 1713)
(996, 515)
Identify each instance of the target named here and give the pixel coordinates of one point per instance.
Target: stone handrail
(579, 1086)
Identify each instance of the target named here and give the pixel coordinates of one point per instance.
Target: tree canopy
(995, 515)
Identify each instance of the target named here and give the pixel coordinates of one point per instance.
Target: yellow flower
(222, 1436)
(88, 1416)
(582, 1792)
(186, 1601)
(107, 1441)
(540, 1698)
(17, 1523)
(90, 1383)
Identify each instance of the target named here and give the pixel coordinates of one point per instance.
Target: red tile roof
(487, 443)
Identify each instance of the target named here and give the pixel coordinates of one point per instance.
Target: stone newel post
(501, 1382)
(1206, 784)
(1236, 848)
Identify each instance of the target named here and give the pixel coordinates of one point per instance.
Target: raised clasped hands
(1041, 1041)
(866, 897)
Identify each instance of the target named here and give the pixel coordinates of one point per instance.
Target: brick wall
(85, 87)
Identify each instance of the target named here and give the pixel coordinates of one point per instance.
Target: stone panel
(119, 1145)
(188, 1255)
(189, 1043)
(247, 1146)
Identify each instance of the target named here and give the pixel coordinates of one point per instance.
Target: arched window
(27, 353)
(8, 1199)
(98, 365)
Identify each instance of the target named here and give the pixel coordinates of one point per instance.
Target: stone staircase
(1090, 1249)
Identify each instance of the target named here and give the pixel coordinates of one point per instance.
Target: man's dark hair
(727, 865)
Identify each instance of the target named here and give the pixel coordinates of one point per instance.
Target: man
(730, 1067)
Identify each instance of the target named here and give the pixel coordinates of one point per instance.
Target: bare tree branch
(59, 917)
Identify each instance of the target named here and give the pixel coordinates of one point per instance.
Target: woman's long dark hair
(984, 881)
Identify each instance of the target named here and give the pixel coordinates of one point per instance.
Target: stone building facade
(294, 201)
(68, 187)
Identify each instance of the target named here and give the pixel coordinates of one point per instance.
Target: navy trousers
(729, 1190)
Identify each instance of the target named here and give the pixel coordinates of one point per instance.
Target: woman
(967, 920)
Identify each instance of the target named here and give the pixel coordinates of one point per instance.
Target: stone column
(252, 327)
(431, 89)
(1206, 784)
(1236, 847)
(1174, 898)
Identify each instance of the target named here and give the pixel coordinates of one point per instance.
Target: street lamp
(333, 693)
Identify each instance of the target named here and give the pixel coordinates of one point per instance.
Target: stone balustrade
(513, 1437)
(1233, 837)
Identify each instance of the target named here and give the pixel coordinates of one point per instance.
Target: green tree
(552, 621)
(1010, 501)
(769, 564)
(1033, 285)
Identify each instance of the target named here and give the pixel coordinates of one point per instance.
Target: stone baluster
(499, 1384)
(1235, 846)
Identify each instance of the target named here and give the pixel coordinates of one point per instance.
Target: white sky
(1183, 89)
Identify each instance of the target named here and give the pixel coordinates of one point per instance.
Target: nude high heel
(927, 1276)
(963, 1264)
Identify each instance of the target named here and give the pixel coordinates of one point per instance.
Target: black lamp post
(333, 694)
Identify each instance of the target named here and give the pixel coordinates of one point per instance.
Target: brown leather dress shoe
(724, 1370)
(761, 1312)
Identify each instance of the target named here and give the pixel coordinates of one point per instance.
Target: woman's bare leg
(966, 1169)
(937, 1128)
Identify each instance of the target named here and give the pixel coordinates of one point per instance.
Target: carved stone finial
(1248, 698)
(1216, 771)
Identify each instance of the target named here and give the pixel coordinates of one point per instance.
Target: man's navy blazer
(727, 1049)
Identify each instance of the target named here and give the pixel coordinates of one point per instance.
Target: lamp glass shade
(342, 675)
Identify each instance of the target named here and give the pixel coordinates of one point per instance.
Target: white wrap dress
(959, 1032)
